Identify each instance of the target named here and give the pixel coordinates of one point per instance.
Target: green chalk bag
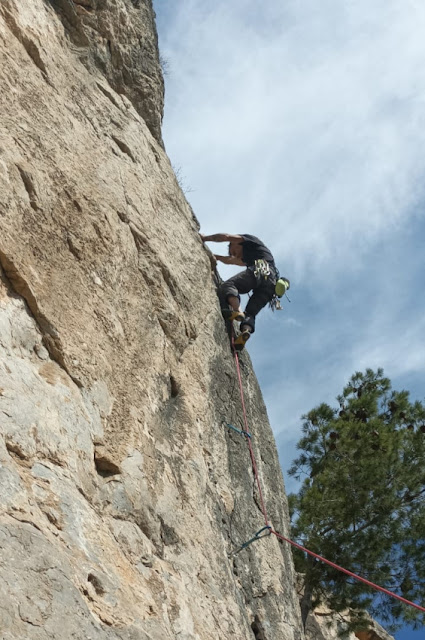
(282, 286)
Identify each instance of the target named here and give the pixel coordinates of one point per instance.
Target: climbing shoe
(229, 314)
(241, 340)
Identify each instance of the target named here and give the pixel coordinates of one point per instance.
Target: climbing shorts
(244, 282)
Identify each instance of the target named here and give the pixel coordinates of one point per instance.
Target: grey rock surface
(327, 625)
(122, 491)
(118, 40)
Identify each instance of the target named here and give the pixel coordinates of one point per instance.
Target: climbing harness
(262, 272)
(257, 536)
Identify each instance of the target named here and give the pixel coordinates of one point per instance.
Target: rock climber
(261, 277)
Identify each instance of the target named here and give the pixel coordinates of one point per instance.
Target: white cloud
(303, 122)
(312, 130)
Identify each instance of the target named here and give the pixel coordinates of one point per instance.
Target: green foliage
(362, 500)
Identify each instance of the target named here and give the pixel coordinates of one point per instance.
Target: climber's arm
(230, 260)
(221, 237)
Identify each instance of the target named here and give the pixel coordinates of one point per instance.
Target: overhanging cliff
(123, 492)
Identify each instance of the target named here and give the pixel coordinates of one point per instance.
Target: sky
(303, 123)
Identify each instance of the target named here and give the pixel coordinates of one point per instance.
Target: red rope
(349, 573)
(295, 544)
(251, 451)
(254, 466)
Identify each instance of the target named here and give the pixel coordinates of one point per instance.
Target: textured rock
(122, 491)
(119, 40)
(326, 625)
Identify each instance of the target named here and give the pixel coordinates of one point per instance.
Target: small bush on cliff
(362, 501)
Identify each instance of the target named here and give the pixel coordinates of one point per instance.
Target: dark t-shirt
(253, 249)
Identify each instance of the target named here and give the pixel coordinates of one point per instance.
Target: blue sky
(303, 123)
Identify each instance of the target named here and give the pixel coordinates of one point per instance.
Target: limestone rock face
(118, 38)
(122, 490)
(326, 625)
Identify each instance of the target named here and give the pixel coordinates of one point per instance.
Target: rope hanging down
(280, 536)
(251, 451)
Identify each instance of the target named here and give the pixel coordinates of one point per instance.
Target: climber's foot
(242, 339)
(230, 314)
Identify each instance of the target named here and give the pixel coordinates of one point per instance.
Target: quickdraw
(240, 431)
(257, 536)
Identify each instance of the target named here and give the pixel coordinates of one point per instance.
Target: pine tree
(362, 502)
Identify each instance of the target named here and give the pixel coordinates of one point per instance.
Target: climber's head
(235, 249)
